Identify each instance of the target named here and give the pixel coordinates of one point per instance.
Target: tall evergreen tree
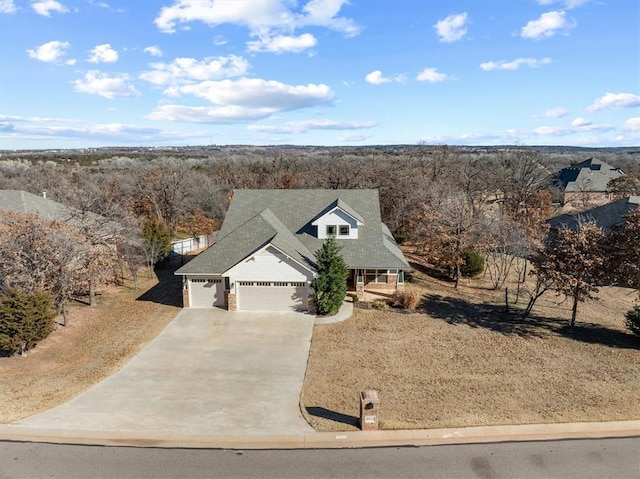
(330, 287)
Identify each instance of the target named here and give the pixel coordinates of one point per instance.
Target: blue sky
(88, 73)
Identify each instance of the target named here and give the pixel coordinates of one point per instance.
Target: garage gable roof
(263, 229)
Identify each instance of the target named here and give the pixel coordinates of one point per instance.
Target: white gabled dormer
(338, 220)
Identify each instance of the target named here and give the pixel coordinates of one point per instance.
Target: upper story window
(331, 230)
(344, 230)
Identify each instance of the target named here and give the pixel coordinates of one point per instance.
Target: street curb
(325, 440)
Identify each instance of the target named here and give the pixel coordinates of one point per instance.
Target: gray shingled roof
(283, 218)
(606, 216)
(588, 176)
(264, 228)
(24, 203)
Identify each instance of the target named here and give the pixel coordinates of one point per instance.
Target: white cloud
(98, 83)
(615, 100)
(632, 124)
(257, 15)
(109, 132)
(353, 137)
(305, 125)
(32, 119)
(547, 25)
(258, 94)
(153, 50)
(324, 13)
(568, 4)
(7, 6)
(431, 75)
(451, 28)
(99, 4)
(103, 54)
(182, 70)
(558, 112)
(514, 64)
(376, 78)
(283, 43)
(580, 122)
(50, 51)
(570, 130)
(45, 7)
(203, 114)
(260, 16)
(246, 99)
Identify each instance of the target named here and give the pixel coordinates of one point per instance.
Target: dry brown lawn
(460, 360)
(96, 342)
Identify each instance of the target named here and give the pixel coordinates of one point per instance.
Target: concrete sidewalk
(325, 440)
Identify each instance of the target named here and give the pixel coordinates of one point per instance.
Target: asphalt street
(594, 458)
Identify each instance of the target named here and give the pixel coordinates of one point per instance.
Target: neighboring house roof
(24, 203)
(606, 216)
(588, 176)
(283, 218)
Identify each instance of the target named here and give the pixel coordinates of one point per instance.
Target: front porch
(372, 284)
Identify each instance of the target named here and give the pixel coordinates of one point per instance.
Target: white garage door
(272, 296)
(206, 292)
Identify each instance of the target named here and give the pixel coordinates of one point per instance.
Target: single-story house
(264, 258)
(586, 183)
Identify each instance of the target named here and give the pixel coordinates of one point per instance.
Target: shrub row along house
(264, 256)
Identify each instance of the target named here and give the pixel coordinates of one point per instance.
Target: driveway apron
(209, 372)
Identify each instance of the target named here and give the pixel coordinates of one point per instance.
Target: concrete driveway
(208, 372)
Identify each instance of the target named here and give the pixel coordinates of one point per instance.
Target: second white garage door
(272, 296)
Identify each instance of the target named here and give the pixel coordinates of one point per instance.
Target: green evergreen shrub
(401, 235)
(632, 320)
(330, 287)
(473, 264)
(25, 319)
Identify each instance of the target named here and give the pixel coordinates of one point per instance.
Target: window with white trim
(343, 230)
(331, 230)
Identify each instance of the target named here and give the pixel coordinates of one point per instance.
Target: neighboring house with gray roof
(607, 216)
(264, 258)
(22, 202)
(586, 183)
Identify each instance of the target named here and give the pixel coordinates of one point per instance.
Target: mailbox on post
(369, 410)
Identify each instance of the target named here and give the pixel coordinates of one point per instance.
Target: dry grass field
(460, 360)
(96, 342)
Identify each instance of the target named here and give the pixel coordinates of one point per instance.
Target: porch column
(359, 281)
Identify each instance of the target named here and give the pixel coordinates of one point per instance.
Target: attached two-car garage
(250, 295)
(267, 280)
(272, 296)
